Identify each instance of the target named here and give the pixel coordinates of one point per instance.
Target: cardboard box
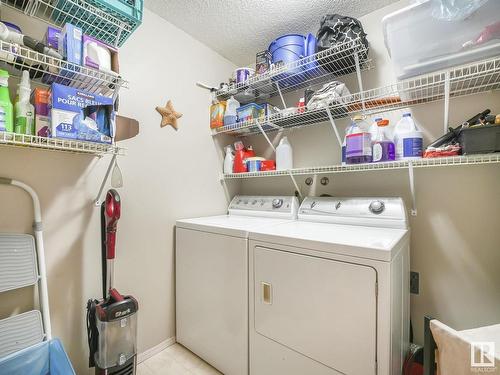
(40, 100)
(52, 36)
(80, 115)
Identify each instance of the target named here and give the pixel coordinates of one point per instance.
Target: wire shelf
(465, 80)
(103, 24)
(58, 144)
(420, 163)
(320, 67)
(46, 69)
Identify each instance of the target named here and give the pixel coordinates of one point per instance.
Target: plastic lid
(238, 146)
(383, 122)
(407, 114)
(377, 119)
(358, 118)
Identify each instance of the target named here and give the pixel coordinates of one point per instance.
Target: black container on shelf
(480, 140)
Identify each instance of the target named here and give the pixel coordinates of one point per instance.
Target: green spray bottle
(6, 108)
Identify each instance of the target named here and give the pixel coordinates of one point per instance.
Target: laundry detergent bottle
(229, 160)
(408, 139)
(374, 128)
(358, 143)
(6, 109)
(344, 143)
(230, 114)
(383, 148)
(24, 122)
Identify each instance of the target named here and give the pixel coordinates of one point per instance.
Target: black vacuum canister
(480, 140)
(116, 325)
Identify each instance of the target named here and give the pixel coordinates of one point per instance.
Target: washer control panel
(268, 206)
(384, 212)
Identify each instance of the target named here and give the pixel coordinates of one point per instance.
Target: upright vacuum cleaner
(111, 321)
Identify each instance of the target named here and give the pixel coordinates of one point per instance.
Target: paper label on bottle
(358, 145)
(412, 147)
(377, 152)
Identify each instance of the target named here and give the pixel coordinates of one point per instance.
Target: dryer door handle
(267, 293)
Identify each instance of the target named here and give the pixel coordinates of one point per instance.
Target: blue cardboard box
(80, 115)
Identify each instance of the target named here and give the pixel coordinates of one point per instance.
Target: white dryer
(329, 293)
(212, 278)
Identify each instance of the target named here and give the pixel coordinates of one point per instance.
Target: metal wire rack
(58, 144)
(337, 61)
(420, 163)
(103, 25)
(47, 69)
(465, 80)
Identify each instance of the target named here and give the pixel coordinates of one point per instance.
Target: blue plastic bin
(45, 358)
(289, 49)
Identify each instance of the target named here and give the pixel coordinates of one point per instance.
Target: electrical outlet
(414, 282)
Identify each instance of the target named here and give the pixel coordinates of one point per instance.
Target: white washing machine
(212, 278)
(329, 293)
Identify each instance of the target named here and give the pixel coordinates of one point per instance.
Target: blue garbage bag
(45, 358)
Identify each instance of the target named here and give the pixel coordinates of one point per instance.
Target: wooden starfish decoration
(168, 115)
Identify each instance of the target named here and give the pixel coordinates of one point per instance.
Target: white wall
(455, 238)
(167, 175)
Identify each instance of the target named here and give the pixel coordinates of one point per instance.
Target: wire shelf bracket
(297, 188)
(411, 180)
(334, 126)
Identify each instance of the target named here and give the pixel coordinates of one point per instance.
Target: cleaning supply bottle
(408, 139)
(347, 132)
(5, 104)
(358, 143)
(383, 148)
(216, 112)
(284, 155)
(230, 114)
(374, 128)
(229, 160)
(24, 122)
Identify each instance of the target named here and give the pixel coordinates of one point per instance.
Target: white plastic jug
(374, 128)
(229, 160)
(230, 114)
(284, 155)
(408, 139)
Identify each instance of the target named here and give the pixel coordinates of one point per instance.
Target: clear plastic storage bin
(117, 339)
(420, 42)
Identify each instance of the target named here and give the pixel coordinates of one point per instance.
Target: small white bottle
(374, 128)
(284, 155)
(24, 121)
(230, 114)
(229, 160)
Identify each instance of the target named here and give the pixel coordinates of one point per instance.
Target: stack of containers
(364, 143)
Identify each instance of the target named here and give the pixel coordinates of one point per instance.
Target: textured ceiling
(237, 29)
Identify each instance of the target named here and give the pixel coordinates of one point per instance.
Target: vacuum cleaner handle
(112, 213)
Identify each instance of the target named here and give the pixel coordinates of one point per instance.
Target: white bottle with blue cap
(408, 139)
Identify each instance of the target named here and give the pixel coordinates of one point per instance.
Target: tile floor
(175, 360)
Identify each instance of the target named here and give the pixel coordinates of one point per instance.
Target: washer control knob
(277, 203)
(377, 207)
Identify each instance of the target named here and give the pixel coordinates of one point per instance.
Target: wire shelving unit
(469, 79)
(323, 66)
(103, 25)
(46, 70)
(59, 144)
(331, 169)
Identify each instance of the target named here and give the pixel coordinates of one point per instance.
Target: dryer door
(323, 309)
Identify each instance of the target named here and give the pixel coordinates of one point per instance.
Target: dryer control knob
(277, 203)
(377, 207)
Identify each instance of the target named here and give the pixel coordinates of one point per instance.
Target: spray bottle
(6, 110)
(25, 111)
